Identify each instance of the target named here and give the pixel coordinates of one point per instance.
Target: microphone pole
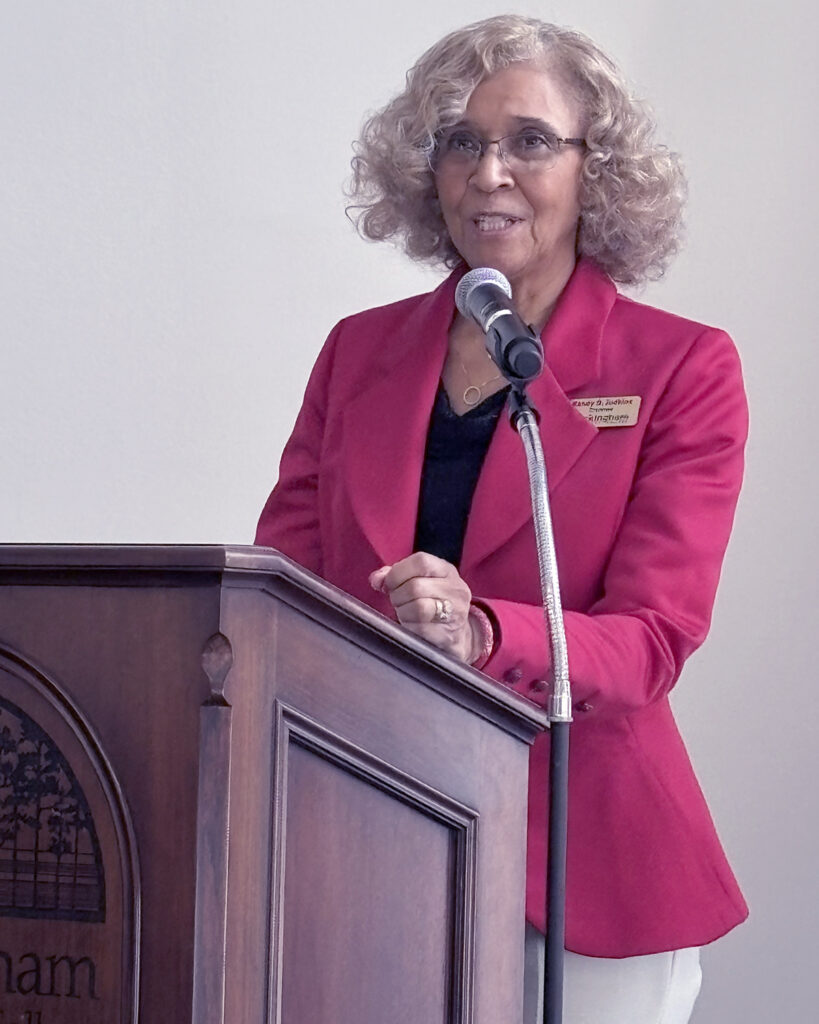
(524, 420)
(484, 295)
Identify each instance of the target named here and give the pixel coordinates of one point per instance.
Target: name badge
(620, 411)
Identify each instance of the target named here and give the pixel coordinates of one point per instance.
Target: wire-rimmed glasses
(531, 149)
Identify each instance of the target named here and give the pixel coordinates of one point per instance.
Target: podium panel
(379, 875)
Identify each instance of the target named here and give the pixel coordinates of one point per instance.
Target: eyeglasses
(529, 150)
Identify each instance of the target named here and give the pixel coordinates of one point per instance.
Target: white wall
(174, 250)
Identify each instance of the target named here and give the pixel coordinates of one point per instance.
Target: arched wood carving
(69, 884)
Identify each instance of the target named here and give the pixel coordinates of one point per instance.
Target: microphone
(485, 296)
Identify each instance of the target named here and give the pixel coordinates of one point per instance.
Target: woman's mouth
(488, 223)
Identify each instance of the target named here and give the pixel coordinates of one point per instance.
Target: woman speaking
(516, 145)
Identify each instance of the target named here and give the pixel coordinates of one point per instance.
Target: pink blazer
(642, 516)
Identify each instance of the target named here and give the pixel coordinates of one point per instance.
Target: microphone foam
(480, 275)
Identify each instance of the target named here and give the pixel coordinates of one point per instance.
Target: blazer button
(584, 706)
(512, 675)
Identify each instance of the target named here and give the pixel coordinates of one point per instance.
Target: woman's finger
(418, 565)
(420, 588)
(429, 610)
(376, 578)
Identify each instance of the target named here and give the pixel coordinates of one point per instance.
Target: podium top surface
(204, 557)
(257, 566)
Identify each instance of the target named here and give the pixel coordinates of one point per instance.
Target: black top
(456, 448)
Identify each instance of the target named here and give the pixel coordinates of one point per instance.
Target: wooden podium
(231, 794)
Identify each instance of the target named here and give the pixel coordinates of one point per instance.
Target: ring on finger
(443, 609)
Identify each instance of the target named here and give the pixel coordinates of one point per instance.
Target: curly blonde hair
(632, 190)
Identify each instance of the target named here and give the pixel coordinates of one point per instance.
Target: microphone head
(476, 277)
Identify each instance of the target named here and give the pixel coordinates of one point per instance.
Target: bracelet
(487, 635)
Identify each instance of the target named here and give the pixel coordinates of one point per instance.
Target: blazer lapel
(572, 343)
(386, 426)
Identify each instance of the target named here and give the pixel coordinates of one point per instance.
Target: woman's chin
(496, 258)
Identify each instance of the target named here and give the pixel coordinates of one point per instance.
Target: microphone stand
(523, 418)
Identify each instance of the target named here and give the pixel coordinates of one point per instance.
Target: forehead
(521, 91)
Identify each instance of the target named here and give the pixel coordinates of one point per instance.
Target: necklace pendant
(472, 395)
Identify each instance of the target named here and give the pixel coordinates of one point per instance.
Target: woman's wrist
(483, 636)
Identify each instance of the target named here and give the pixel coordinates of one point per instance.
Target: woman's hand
(432, 601)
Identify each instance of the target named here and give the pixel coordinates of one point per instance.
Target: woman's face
(521, 223)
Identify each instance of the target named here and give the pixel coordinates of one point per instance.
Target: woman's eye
(532, 140)
(463, 142)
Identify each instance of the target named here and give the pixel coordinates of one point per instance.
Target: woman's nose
(492, 171)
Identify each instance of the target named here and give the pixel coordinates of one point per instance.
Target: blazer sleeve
(290, 518)
(659, 585)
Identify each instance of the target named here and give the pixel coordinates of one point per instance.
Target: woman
(516, 145)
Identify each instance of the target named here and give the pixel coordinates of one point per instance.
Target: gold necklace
(473, 393)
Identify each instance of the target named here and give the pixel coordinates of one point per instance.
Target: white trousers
(657, 989)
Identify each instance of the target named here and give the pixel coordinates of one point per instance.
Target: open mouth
(489, 222)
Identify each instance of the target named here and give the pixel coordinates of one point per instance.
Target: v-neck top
(455, 451)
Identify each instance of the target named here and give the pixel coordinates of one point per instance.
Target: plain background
(174, 251)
